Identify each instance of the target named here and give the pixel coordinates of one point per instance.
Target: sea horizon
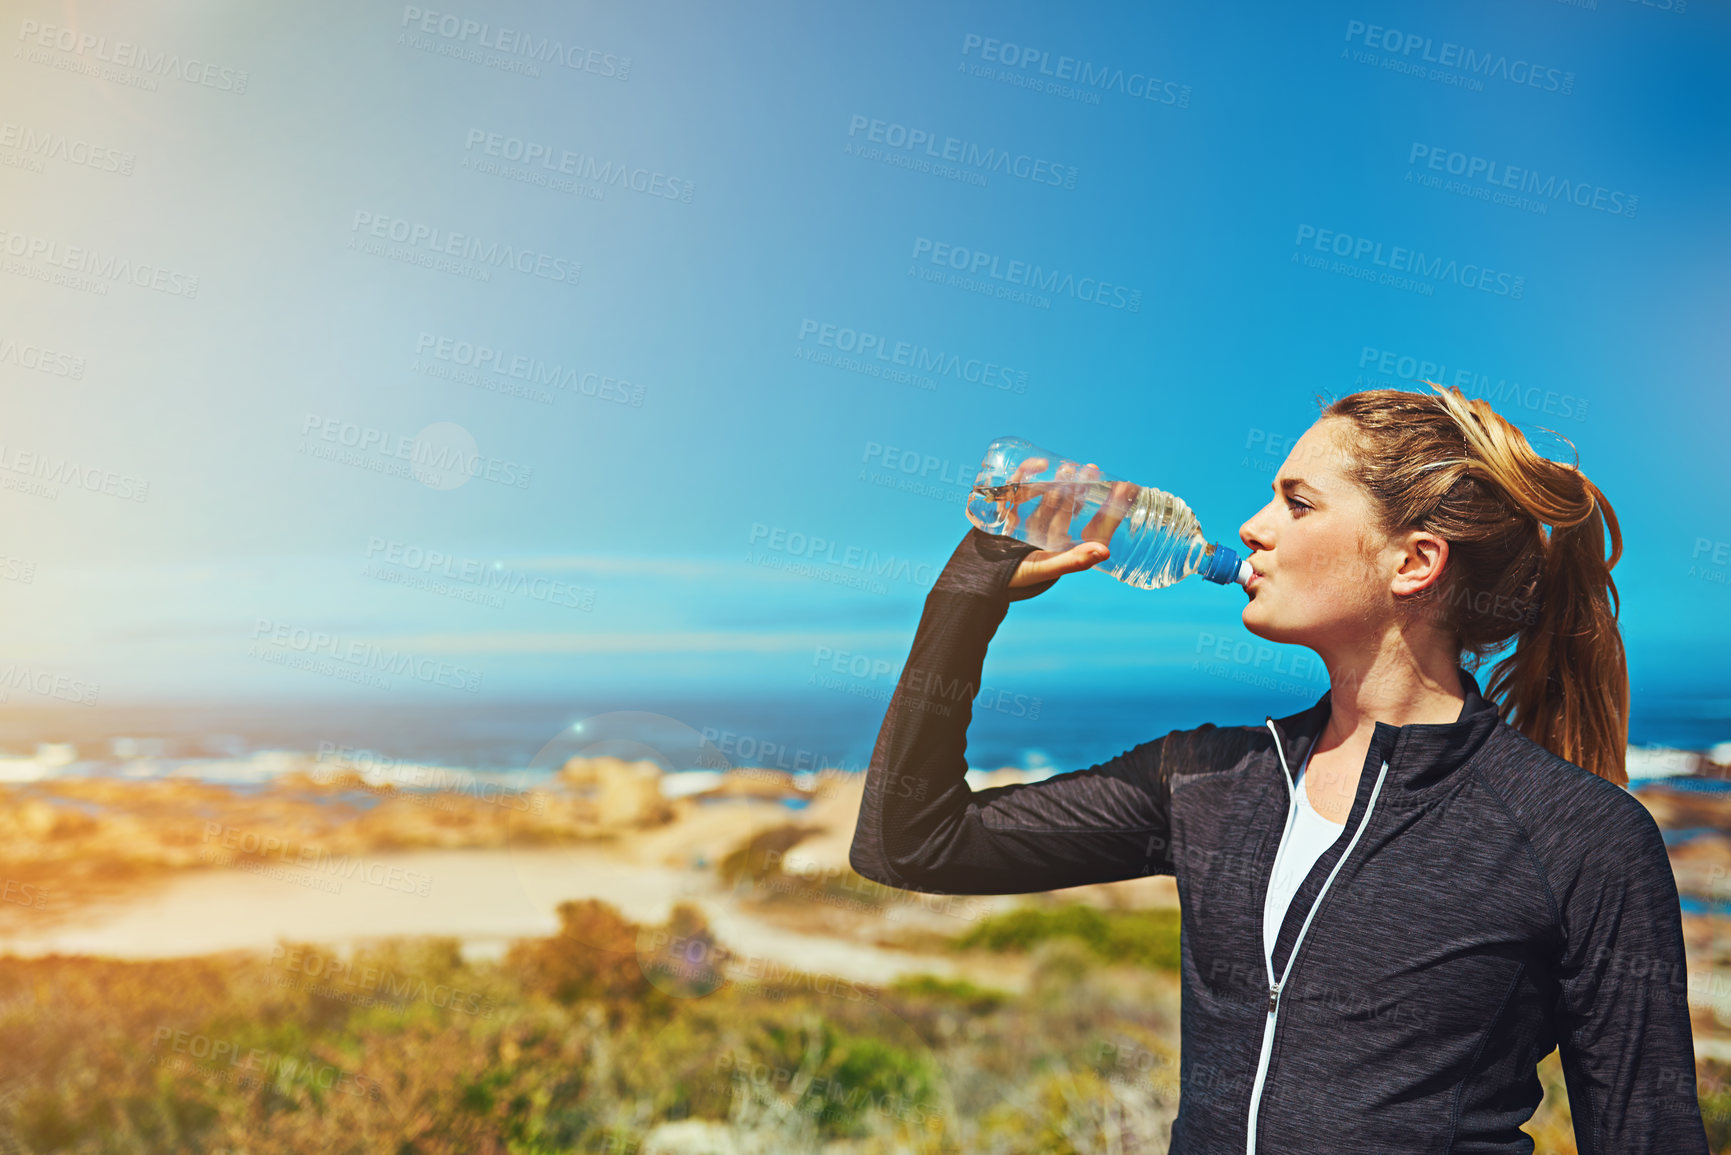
(793, 732)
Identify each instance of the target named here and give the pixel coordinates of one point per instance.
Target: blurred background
(472, 476)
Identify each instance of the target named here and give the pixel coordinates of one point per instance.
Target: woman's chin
(1258, 624)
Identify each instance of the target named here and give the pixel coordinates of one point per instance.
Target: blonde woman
(1397, 901)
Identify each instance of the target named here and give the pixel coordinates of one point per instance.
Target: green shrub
(1147, 938)
(847, 1082)
(1714, 1086)
(935, 987)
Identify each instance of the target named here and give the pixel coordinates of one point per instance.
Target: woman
(1397, 901)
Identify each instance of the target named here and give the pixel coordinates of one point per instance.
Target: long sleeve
(921, 827)
(1627, 1046)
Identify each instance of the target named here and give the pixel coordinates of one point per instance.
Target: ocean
(797, 734)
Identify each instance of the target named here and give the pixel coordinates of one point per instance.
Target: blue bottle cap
(1222, 566)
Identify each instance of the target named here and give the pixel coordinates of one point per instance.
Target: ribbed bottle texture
(1031, 494)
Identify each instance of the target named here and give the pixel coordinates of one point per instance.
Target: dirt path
(484, 898)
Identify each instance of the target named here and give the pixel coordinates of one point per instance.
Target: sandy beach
(192, 869)
(483, 898)
(175, 869)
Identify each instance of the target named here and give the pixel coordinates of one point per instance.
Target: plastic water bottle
(1037, 496)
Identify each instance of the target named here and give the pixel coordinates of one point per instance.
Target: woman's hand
(1044, 564)
(1050, 521)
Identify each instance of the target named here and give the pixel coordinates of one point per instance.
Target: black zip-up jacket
(1486, 902)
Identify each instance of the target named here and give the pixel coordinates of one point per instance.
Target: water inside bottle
(1157, 543)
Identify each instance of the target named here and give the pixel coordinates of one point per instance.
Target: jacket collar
(1420, 756)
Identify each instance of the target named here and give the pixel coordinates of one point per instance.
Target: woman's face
(1321, 580)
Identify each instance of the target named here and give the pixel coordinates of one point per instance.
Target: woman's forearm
(922, 827)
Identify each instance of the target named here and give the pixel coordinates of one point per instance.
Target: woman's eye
(1297, 506)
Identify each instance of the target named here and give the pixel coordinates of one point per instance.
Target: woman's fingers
(1041, 515)
(1044, 565)
(1055, 505)
(1069, 497)
(1111, 513)
(1050, 525)
(1079, 494)
(1015, 502)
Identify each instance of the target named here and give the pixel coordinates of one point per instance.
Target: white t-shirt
(1311, 835)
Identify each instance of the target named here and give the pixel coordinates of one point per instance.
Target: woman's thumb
(1078, 557)
(1085, 555)
(1035, 569)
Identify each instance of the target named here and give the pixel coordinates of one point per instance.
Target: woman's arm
(920, 825)
(1626, 1042)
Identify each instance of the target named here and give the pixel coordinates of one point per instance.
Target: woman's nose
(1251, 535)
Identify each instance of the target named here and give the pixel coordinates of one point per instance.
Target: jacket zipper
(1274, 986)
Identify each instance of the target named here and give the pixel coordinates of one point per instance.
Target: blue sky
(1212, 168)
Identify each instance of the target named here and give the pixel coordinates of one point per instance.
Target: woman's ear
(1421, 564)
